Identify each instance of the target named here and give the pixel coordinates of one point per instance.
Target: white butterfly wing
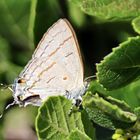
(56, 65)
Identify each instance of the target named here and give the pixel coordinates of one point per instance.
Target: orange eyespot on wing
(65, 78)
(21, 81)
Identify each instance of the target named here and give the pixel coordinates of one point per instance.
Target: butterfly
(55, 68)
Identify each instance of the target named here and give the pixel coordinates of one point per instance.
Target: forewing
(56, 63)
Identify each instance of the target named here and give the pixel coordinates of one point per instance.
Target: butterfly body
(55, 68)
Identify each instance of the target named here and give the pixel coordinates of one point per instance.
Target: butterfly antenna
(2, 87)
(87, 79)
(7, 107)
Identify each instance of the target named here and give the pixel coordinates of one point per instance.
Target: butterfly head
(22, 95)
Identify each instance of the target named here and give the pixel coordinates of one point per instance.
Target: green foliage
(110, 9)
(121, 66)
(108, 112)
(54, 121)
(112, 100)
(136, 24)
(77, 135)
(15, 24)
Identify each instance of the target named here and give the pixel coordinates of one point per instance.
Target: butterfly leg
(78, 101)
(76, 105)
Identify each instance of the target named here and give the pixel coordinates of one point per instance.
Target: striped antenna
(3, 87)
(89, 78)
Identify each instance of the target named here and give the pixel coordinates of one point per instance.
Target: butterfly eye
(21, 81)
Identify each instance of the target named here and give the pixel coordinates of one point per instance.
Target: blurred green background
(22, 24)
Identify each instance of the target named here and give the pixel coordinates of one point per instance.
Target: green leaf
(121, 66)
(78, 135)
(14, 25)
(6, 67)
(4, 50)
(88, 126)
(76, 15)
(129, 93)
(107, 113)
(110, 9)
(136, 24)
(137, 111)
(55, 122)
(95, 87)
(32, 20)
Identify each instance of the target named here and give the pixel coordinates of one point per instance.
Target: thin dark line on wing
(46, 69)
(47, 32)
(65, 41)
(70, 28)
(45, 35)
(58, 45)
(54, 52)
(35, 58)
(46, 47)
(57, 33)
(51, 54)
(34, 70)
(62, 44)
(69, 54)
(39, 75)
(23, 73)
(50, 80)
